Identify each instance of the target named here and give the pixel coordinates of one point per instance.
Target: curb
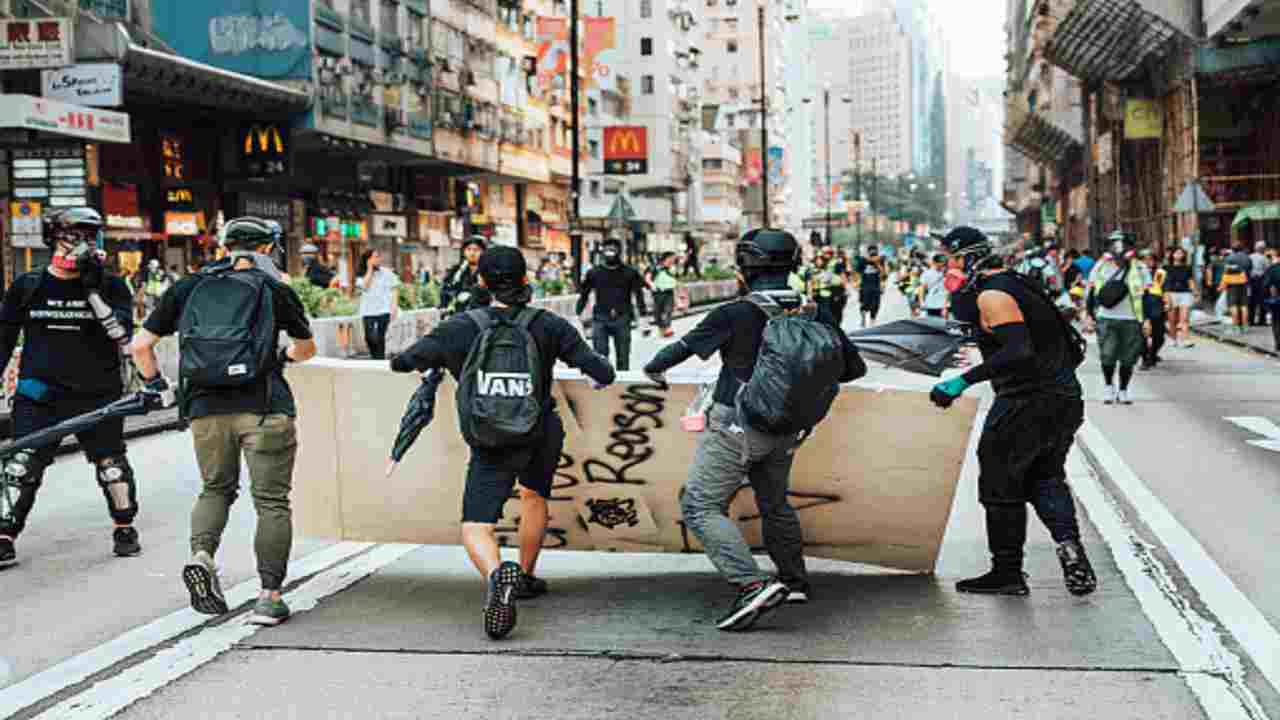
(1236, 342)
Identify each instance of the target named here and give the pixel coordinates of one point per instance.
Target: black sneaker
(126, 542)
(1077, 572)
(201, 578)
(798, 593)
(530, 587)
(8, 557)
(996, 582)
(753, 601)
(500, 604)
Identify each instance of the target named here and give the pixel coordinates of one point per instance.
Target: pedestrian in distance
(1271, 285)
(612, 316)
(502, 357)
(826, 287)
(870, 272)
(74, 319)
(933, 286)
(1030, 355)
(1257, 293)
(1153, 309)
(662, 281)
(1114, 302)
(461, 284)
(1180, 288)
(235, 395)
(1235, 283)
(781, 370)
(316, 272)
(379, 301)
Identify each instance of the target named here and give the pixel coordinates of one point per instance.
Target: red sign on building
(626, 150)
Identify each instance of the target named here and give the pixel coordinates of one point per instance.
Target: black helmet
(972, 245)
(767, 249)
(477, 240)
(249, 233)
(72, 225)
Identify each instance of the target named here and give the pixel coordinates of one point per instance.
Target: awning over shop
(1109, 40)
(162, 75)
(1036, 137)
(1260, 211)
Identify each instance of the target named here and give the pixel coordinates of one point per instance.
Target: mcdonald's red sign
(626, 150)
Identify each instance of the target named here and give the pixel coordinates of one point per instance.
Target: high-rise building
(975, 144)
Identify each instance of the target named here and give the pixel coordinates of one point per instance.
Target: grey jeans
(729, 457)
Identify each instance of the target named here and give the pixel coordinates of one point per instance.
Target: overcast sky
(974, 29)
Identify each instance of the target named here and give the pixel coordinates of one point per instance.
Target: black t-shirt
(736, 330)
(871, 274)
(1177, 278)
(319, 275)
(1052, 372)
(614, 288)
(448, 345)
(291, 318)
(64, 345)
(1070, 275)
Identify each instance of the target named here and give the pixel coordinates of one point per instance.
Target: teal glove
(945, 392)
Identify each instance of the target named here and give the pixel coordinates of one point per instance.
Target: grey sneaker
(268, 612)
(201, 578)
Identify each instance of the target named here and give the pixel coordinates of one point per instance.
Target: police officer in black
(614, 284)
(1030, 356)
(461, 289)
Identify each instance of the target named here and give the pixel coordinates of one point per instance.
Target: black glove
(282, 357)
(92, 274)
(158, 393)
(657, 378)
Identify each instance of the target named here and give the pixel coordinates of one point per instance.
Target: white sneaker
(1109, 395)
(1124, 398)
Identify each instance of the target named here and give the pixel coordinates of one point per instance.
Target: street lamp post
(764, 114)
(826, 104)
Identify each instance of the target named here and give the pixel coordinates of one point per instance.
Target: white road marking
(114, 694)
(1213, 671)
(79, 668)
(1259, 426)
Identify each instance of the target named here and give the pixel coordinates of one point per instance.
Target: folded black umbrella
(927, 346)
(417, 416)
(54, 434)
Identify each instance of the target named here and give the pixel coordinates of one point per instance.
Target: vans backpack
(797, 373)
(228, 331)
(501, 395)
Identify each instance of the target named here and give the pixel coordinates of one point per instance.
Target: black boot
(1077, 572)
(1006, 535)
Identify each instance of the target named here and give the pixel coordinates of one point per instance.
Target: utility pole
(856, 152)
(764, 119)
(575, 187)
(875, 182)
(826, 104)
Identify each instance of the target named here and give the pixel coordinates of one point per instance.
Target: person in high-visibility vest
(1153, 310)
(662, 281)
(826, 287)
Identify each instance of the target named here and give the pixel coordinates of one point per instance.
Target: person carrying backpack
(1116, 288)
(233, 392)
(781, 370)
(502, 357)
(73, 318)
(1030, 355)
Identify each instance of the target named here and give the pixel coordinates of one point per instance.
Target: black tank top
(1053, 372)
(1177, 278)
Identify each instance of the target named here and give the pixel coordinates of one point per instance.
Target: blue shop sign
(265, 38)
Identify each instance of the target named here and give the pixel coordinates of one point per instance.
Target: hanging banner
(753, 167)
(776, 171)
(1143, 120)
(599, 37)
(553, 51)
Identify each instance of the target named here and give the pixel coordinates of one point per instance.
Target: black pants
(664, 307)
(102, 441)
(620, 330)
(1257, 293)
(934, 312)
(1022, 458)
(375, 335)
(1275, 326)
(1153, 307)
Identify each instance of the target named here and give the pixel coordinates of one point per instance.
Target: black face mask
(612, 260)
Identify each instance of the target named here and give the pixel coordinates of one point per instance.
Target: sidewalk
(1258, 339)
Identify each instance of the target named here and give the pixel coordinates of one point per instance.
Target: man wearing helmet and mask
(462, 289)
(614, 284)
(1030, 355)
(75, 319)
(728, 452)
(1116, 288)
(234, 393)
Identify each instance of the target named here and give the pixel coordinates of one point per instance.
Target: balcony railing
(364, 111)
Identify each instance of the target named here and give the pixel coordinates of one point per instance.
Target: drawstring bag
(695, 417)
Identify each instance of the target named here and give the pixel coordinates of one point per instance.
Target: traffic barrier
(343, 337)
(874, 484)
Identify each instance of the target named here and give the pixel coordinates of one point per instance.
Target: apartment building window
(732, 46)
(593, 107)
(360, 11)
(646, 46)
(646, 8)
(646, 84)
(389, 23)
(595, 188)
(593, 148)
(711, 3)
(712, 164)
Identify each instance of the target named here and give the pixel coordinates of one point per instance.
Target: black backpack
(228, 331)
(797, 373)
(502, 395)
(1115, 289)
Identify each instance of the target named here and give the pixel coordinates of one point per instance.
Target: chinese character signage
(626, 150)
(33, 113)
(1143, 120)
(37, 43)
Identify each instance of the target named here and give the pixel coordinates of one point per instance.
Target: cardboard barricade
(874, 484)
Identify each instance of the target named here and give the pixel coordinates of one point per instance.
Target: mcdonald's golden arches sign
(626, 150)
(264, 150)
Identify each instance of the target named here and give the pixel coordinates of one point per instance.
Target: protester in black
(492, 474)
(871, 272)
(1030, 356)
(727, 452)
(74, 319)
(460, 284)
(614, 284)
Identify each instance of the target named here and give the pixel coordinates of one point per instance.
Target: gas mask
(612, 257)
(73, 260)
(954, 280)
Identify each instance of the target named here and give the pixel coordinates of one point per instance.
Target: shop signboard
(393, 226)
(1143, 120)
(183, 224)
(266, 40)
(92, 84)
(626, 150)
(33, 113)
(268, 207)
(26, 218)
(31, 44)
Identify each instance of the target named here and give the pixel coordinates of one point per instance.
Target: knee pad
(115, 476)
(25, 468)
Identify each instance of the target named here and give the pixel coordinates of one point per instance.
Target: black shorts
(491, 475)
(104, 440)
(1025, 440)
(870, 301)
(1238, 296)
(933, 312)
